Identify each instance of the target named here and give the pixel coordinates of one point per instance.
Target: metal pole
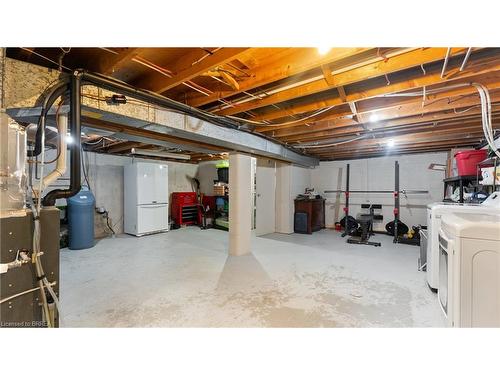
(396, 200)
(404, 191)
(346, 208)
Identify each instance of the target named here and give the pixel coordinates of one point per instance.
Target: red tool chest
(185, 209)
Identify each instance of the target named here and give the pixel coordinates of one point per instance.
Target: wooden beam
(325, 128)
(162, 84)
(115, 62)
(342, 94)
(491, 80)
(449, 143)
(327, 75)
(331, 79)
(476, 68)
(396, 151)
(455, 125)
(289, 62)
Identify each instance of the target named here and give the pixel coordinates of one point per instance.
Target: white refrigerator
(145, 198)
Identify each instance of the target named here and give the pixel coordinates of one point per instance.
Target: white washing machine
(469, 276)
(434, 214)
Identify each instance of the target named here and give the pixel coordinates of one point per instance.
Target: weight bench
(366, 225)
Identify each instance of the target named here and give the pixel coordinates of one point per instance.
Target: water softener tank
(81, 220)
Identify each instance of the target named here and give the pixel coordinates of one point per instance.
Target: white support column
(284, 199)
(240, 203)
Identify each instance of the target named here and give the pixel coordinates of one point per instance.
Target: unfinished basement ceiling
(347, 103)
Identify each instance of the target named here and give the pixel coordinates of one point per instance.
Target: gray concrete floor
(185, 278)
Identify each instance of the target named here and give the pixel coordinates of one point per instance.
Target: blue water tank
(81, 220)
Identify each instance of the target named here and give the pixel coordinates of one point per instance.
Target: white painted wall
(300, 179)
(106, 180)
(265, 184)
(378, 174)
(291, 180)
(206, 174)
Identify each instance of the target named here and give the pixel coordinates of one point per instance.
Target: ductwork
(212, 129)
(75, 151)
(61, 160)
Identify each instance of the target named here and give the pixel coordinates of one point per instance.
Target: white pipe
(62, 121)
(23, 293)
(135, 151)
(445, 61)
(466, 58)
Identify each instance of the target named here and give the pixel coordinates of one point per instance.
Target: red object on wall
(185, 209)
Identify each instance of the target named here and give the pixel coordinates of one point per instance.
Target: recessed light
(324, 50)
(374, 117)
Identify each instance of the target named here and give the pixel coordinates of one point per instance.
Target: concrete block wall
(378, 174)
(106, 179)
(2, 76)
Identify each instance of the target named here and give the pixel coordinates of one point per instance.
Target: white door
(152, 218)
(265, 221)
(152, 183)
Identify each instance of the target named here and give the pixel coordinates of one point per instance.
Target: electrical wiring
(260, 123)
(59, 137)
(46, 58)
(94, 143)
(318, 145)
(43, 284)
(486, 116)
(36, 237)
(427, 91)
(22, 293)
(472, 107)
(84, 169)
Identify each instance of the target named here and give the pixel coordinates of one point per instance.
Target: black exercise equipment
(402, 227)
(397, 225)
(366, 226)
(352, 225)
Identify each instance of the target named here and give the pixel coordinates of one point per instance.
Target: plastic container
(467, 161)
(223, 174)
(12, 167)
(81, 220)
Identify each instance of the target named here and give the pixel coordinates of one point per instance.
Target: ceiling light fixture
(323, 50)
(374, 117)
(160, 154)
(390, 143)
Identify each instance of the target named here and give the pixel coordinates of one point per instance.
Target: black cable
(59, 142)
(85, 170)
(109, 225)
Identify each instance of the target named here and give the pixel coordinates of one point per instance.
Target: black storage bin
(300, 222)
(223, 174)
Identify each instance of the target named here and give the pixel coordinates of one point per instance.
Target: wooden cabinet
(315, 210)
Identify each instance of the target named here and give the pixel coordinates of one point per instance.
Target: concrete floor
(185, 278)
